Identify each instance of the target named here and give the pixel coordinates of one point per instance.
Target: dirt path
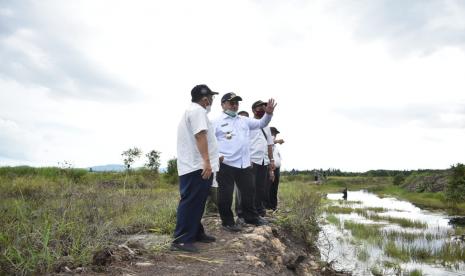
(265, 250)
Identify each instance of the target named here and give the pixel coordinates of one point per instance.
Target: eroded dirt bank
(265, 250)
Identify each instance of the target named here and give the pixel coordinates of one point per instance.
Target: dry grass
(50, 215)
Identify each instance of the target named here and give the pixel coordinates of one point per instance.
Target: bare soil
(264, 250)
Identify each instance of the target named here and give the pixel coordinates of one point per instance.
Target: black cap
(274, 130)
(230, 97)
(258, 103)
(201, 90)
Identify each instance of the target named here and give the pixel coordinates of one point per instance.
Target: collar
(197, 106)
(225, 116)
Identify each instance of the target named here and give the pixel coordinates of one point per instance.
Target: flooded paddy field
(370, 235)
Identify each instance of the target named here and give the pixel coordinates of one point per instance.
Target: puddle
(393, 236)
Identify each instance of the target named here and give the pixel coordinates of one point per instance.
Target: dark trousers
(260, 174)
(273, 190)
(237, 202)
(194, 191)
(226, 178)
(212, 200)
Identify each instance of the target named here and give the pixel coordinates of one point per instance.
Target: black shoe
(206, 238)
(187, 247)
(232, 228)
(240, 221)
(258, 222)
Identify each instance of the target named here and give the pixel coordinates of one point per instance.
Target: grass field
(52, 215)
(382, 186)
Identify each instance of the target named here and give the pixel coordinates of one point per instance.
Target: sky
(360, 85)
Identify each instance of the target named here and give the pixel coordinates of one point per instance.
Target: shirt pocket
(226, 131)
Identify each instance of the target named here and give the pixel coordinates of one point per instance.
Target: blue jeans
(194, 191)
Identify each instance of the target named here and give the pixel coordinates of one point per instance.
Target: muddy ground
(264, 250)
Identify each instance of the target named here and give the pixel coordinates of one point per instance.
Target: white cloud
(37, 49)
(440, 115)
(13, 144)
(408, 27)
(97, 78)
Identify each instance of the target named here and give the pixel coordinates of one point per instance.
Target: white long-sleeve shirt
(276, 156)
(233, 135)
(259, 145)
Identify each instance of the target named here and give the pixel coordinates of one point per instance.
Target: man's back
(192, 122)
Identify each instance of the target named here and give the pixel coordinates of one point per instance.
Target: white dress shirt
(192, 122)
(259, 145)
(233, 137)
(276, 156)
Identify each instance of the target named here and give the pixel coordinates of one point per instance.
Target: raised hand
(270, 106)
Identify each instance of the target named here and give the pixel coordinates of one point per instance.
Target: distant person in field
(197, 160)
(274, 183)
(232, 132)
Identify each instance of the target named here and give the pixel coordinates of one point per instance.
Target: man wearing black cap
(197, 159)
(261, 155)
(232, 133)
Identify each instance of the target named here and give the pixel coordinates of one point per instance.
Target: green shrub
(455, 190)
(398, 180)
(304, 210)
(171, 174)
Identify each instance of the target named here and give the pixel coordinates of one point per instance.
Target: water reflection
(338, 246)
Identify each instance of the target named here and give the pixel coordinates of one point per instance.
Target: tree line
(454, 190)
(370, 173)
(152, 162)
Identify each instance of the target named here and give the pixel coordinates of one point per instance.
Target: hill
(108, 168)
